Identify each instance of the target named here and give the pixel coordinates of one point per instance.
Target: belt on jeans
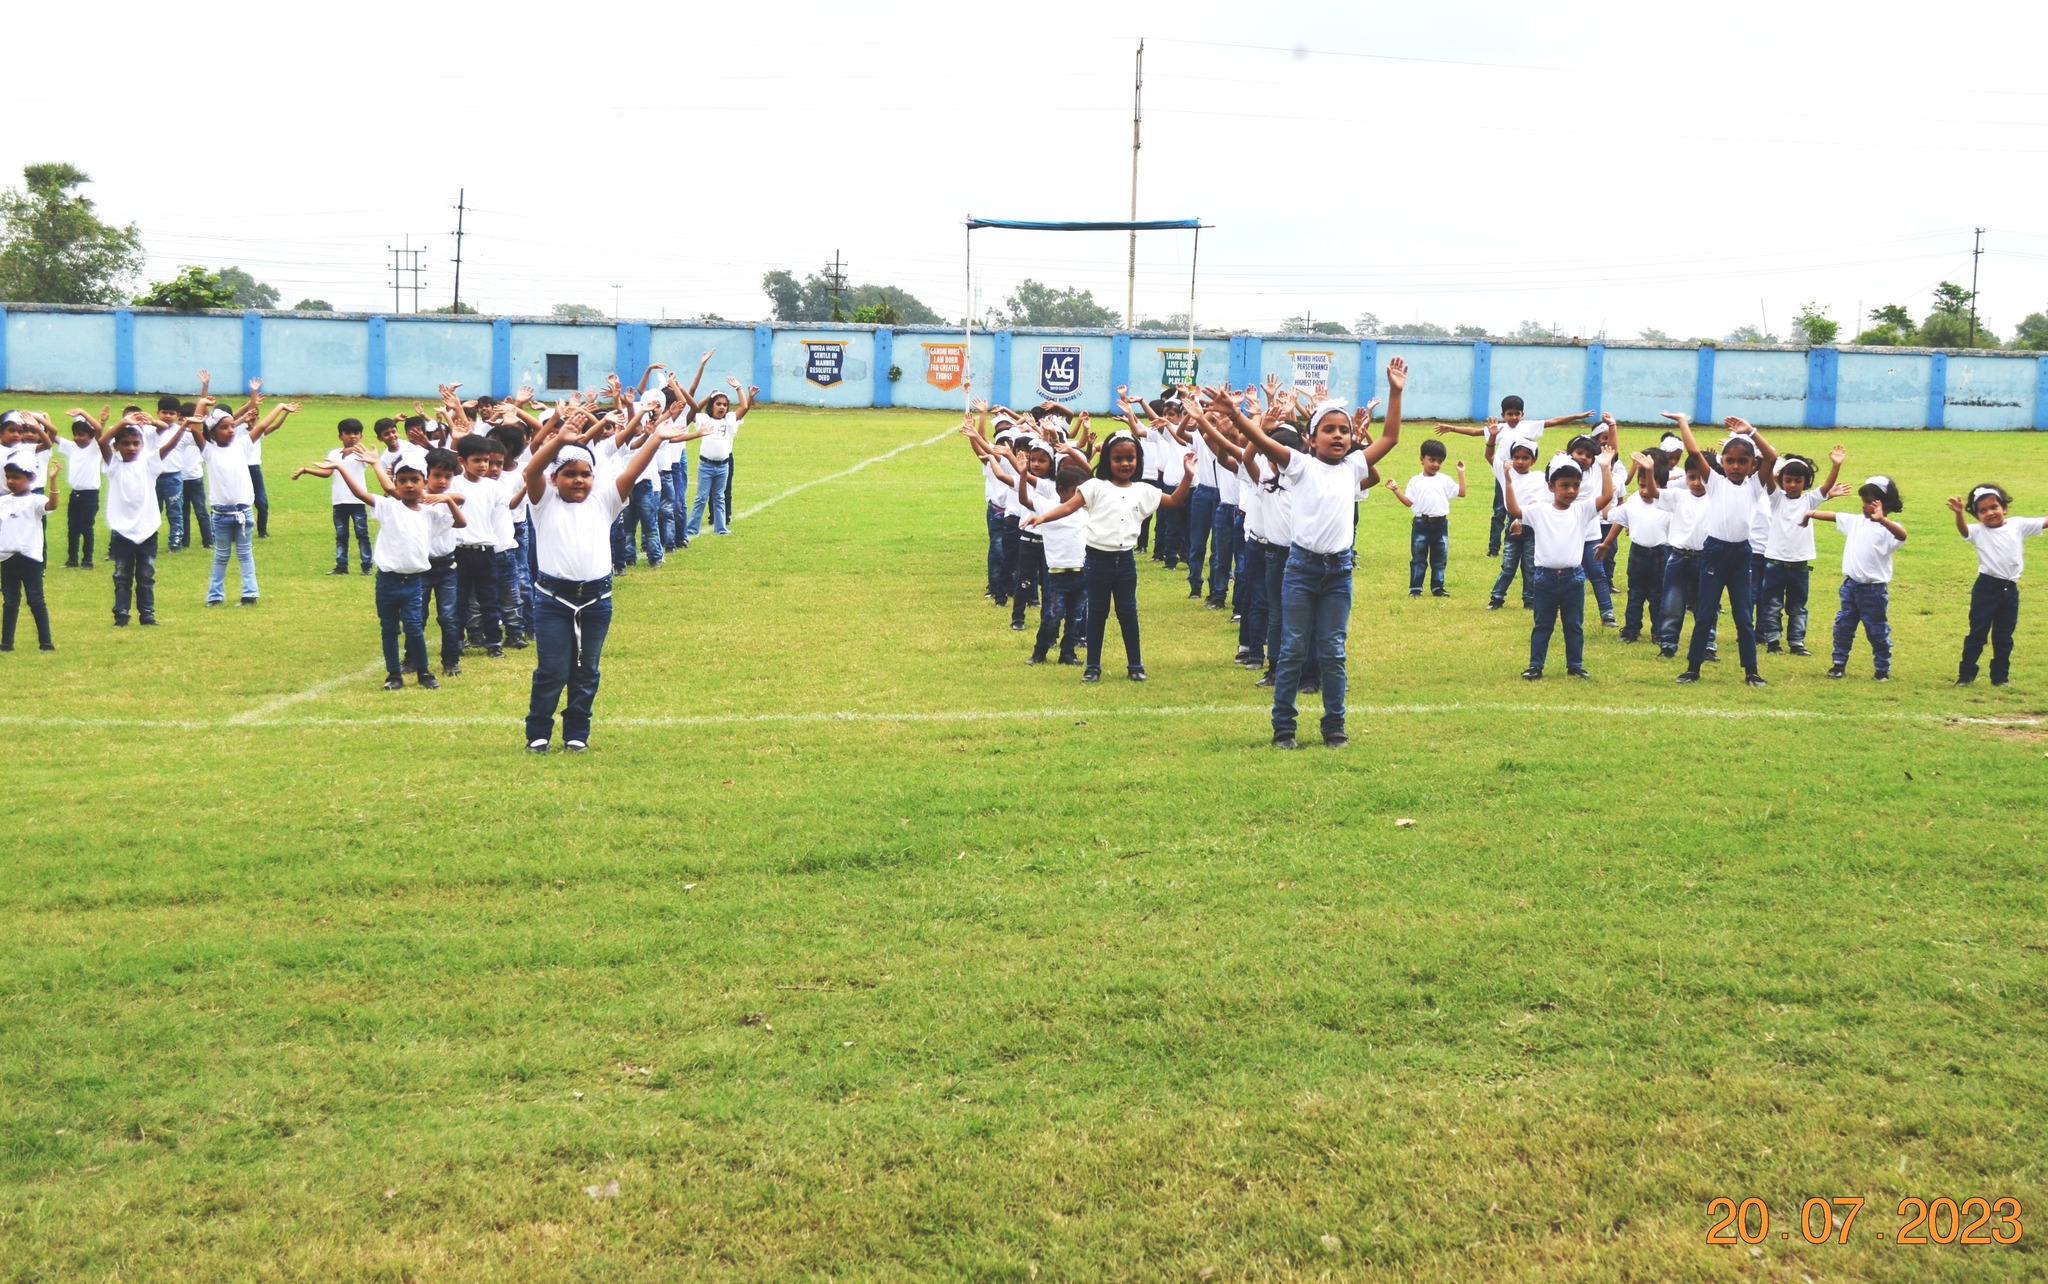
(1446, 517)
(542, 585)
(1682, 552)
(440, 563)
(1772, 561)
(1321, 559)
(1029, 538)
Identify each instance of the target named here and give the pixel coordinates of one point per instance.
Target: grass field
(855, 949)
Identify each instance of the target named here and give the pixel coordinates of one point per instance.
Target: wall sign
(945, 365)
(1059, 370)
(1179, 365)
(824, 361)
(1310, 368)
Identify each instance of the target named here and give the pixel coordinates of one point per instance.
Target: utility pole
(460, 193)
(615, 302)
(1137, 123)
(403, 261)
(835, 272)
(1976, 253)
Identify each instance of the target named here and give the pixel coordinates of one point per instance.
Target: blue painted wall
(98, 350)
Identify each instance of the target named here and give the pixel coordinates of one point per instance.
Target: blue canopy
(1148, 225)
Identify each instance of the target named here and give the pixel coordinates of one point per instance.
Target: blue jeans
(1276, 579)
(170, 497)
(670, 509)
(1222, 548)
(1006, 584)
(1994, 613)
(1237, 542)
(573, 620)
(511, 592)
(1202, 505)
(1065, 610)
(477, 593)
(1724, 564)
(1596, 575)
(1170, 537)
(1681, 587)
(346, 515)
(439, 584)
(1429, 549)
(401, 607)
(1112, 577)
(1252, 606)
(1868, 605)
(1558, 594)
(134, 568)
(1500, 520)
(195, 510)
(1517, 553)
(1781, 612)
(711, 474)
(994, 515)
(21, 576)
(232, 527)
(1645, 588)
(1315, 614)
(1030, 570)
(641, 516)
(262, 501)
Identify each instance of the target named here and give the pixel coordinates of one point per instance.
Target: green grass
(349, 986)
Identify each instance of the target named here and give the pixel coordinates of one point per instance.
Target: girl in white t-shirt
(721, 422)
(1788, 548)
(1869, 539)
(1995, 597)
(1065, 549)
(22, 515)
(1117, 503)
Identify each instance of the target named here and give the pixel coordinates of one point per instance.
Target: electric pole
(459, 211)
(1976, 253)
(403, 261)
(835, 272)
(1137, 120)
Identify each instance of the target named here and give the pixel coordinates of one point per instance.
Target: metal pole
(1194, 259)
(459, 194)
(967, 308)
(1137, 118)
(1976, 253)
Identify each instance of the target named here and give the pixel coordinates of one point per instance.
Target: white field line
(261, 714)
(1080, 714)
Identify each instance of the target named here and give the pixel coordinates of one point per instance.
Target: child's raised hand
(1188, 461)
(1837, 491)
(1371, 406)
(1955, 505)
(1461, 468)
(1392, 485)
(1606, 419)
(1675, 416)
(732, 383)
(1397, 374)
(1874, 509)
(1738, 425)
(752, 392)
(1838, 454)
(290, 407)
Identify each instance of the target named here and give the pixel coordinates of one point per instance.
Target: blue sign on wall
(824, 361)
(1059, 370)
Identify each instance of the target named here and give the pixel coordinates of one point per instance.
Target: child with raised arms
(1558, 533)
(439, 586)
(1516, 468)
(1869, 539)
(231, 492)
(407, 521)
(1062, 617)
(1429, 497)
(22, 515)
(1788, 549)
(1501, 435)
(348, 514)
(1733, 490)
(721, 422)
(82, 473)
(1647, 525)
(1995, 596)
(129, 474)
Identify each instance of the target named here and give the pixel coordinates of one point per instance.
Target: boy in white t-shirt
(348, 512)
(129, 471)
(1558, 532)
(1869, 539)
(1063, 617)
(22, 514)
(1788, 549)
(1429, 495)
(408, 522)
(1995, 596)
(1501, 435)
(82, 473)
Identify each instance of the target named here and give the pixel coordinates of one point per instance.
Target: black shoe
(1236, 618)
(1667, 652)
(1629, 637)
(249, 601)
(1284, 740)
(1837, 671)
(1335, 739)
(213, 603)
(1068, 657)
(120, 621)
(72, 563)
(85, 565)
(1265, 680)
(1091, 674)
(1577, 671)
(1310, 689)
(394, 683)
(1494, 604)
(1608, 619)
(6, 646)
(1002, 602)
(1016, 626)
(1774, 648)
(1036, 657)
(1963, 682)
(1532, 674)
(1194, 593)
(369, 568)
(1754, 679)
(149, 620)
(450, 669)
(1799, 648)
(536, 746)
(1439, 592)
(1882, 675)
(1212, 604)
(1414, 592)
(1690, 675)
(495, 652)
(1713, 657)
(339, 569)
(517, 641)
(429, 681)
(47, 646)
(1999, 682)
(1136, 673)
(574, 746)
(1244, 653)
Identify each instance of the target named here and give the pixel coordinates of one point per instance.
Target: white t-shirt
(129, 493)
(21, 526)
(191, 464)
(1730, 507)
(1251, 501)
(1787, 540)
(1173, 464)
(483, 508)
(338, 492)
(254, 444)
(1760, 524)
(1226, 484)
(1066, 544)
(1014, 507)
(405, 536)
(1688, 528)
(1866, 549)
(1432, 493)
(1205, 460)
(574, 541)
(1115, 513)
(716, 444)
(81, 464)
(1647, 524)
(1561, 533)
(441, 539)
(511, 505)
(1528, 430)
(1322, 498)
(992, 486)
(227, 474)
(1530, 488)
(1999, 551)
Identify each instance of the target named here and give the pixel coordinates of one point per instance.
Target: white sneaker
(536, 746)
(574, 746)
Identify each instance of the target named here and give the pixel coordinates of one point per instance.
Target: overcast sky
(1601, 167)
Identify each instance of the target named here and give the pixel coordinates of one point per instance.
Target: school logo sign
(824, 361)
(1059, 370)
(945, 365)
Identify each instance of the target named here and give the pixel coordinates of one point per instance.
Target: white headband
(563, 455)
(1981, 492)
(1557, 461)
(1334, 405)
(1880, 481)
(1670, 444)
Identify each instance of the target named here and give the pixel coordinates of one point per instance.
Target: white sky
(1624, 165)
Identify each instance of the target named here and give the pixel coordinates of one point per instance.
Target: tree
(1367, 324)
(1302, 325)
(1654, 335)
(876, 313)
(578, 312)
(246, 290)
(1952, 300)
(1033, 303)
(1894, 327)
(1536, 330)
(1947, 330)
(1175, 324)
(54, 249)
(190, 290)
(1416, 330)
(1749, 334)
(312, 305)
(1469, 331)
(455, 310)
(811, 299)
(1815, 326)
(1893, 315)
(2032, 336)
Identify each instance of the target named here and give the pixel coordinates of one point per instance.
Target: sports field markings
(261, 714)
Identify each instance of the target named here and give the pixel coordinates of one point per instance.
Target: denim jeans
(1030, 570)
(134, 568)
(1724, 564)
(345, 516)
(170, 497)
(1994, 613)
(1276, 592)
(80, 511)
(1252, 606)
(1006, 578)
(1870, 606)
(401, 607)
(262, 501)
(711, 475)
(512, 593)
(641, 516)
(1065, 612)
(1112, 577)
(1596, 575)
(1429, 548)
(732, 466)
(573, 620)
(994, 515)
(669, 510)
(1681, 587)
(1222, 548)
(1559, 594)
(1202, 504)
(1517, 553)
(477, 592)
(439, 583)
(1315, 615)
(529, 570)
(1645, 588)
(1170, 541)
(232, 528)
(1500, 520)
(1781, 613)
(22, 577)
(195, 512)
(1237, 559)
